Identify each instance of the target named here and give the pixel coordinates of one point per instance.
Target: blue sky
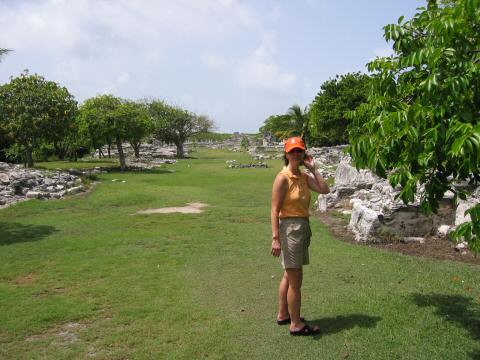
(237, 61)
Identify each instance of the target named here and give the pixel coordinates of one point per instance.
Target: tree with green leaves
(328, 112)
(211, 136)
(176, 125)
(34, 111)
(294, 123)
(90, 125)
(421, 123)
(245, 143)
(105, 118)
(139, 124)
(277, 125)
(299, 121)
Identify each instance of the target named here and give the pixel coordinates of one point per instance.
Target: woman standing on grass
(291, 230)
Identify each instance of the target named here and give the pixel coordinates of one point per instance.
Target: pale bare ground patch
(191, 208)
(25, 279)
(63, 335)
(77, 333)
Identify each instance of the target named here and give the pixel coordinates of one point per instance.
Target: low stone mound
(18, 183)
(234, 164)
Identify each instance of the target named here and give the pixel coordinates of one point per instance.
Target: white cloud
(214, 61)
(260, 70)
(90, 45)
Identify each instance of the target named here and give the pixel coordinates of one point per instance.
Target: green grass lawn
(87, 277)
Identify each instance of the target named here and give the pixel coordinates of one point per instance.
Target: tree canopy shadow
(454, 308)
(333, 325)
(475, 355)
(154, 171)
(12, 233)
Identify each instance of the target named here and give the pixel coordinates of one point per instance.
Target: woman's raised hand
(309, 162)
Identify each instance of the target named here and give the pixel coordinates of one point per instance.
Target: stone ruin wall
(376, 215)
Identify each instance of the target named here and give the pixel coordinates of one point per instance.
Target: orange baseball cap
(294, 143)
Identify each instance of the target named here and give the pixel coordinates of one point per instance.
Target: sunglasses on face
(296, 150)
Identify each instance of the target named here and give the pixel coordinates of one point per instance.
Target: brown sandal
(307, 330)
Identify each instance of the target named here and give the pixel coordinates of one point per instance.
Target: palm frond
(3, 52)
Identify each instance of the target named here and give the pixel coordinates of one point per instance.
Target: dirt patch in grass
(25, 279)
(65, 334)
(49, 292)
(433, 248)
(192, 208)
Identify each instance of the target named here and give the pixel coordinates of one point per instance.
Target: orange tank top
(297, 198)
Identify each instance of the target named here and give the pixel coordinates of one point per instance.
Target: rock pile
(331, 155)
(328, 158)
(377, 214)
(18, 183)
(149, 154)
(234, 164)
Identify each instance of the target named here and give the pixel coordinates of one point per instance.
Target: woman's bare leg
(282, 298)
(294, 297)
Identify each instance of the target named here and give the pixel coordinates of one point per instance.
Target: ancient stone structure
(18, 183)
(378, 215)
(234, 164)
(148, 152)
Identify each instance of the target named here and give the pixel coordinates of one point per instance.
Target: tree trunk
(29, 157)
(121, 155)
(180, 152)
(100, 153)
(60, 150)
(109, 147)
(136, 149)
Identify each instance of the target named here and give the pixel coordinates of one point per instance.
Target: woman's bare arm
(316, 182)
(280, 187)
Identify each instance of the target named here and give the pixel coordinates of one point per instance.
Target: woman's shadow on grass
(333, 325)
(12, 233)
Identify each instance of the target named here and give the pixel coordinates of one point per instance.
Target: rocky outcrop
(376, 212)
(331, 155)
(464, 205)
(18, 183)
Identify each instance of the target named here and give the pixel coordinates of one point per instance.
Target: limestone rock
(413, 239)
(443, 230)
(347, 175)
(33, 195)
(4, 178)
(18, 183)
(322, 202)
(464, 205)
(364, 222)
(74, 190)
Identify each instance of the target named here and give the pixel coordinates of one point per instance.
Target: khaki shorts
(295, 237)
